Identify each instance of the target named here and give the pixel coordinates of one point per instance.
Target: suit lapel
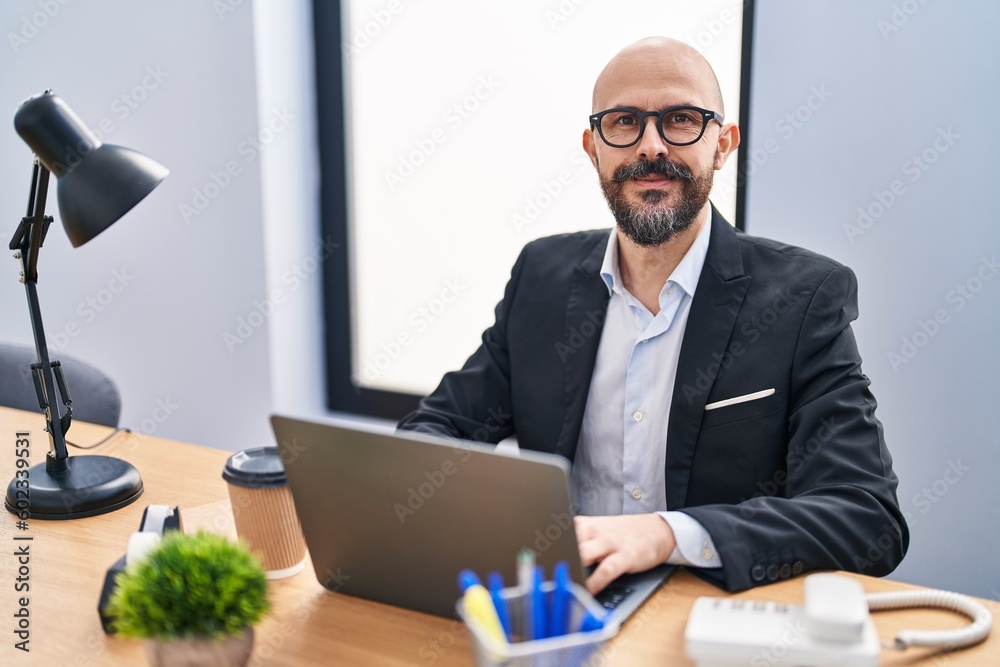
(585, 311)
(716, 303)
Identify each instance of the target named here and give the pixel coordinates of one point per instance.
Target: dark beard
(652, 224)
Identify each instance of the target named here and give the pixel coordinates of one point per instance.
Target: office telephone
(832, 627)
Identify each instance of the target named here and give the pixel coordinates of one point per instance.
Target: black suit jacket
(796, 481)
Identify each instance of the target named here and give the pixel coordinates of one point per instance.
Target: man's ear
(589, 146)
(729, 139)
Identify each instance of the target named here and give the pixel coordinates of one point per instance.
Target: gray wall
(177, 81)
(903, 128)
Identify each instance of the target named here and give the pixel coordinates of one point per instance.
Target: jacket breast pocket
(742, 411)
(740, 452)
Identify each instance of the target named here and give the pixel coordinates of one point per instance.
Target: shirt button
(637, 416)
(706, 553)
(644, 340)
(637, 493)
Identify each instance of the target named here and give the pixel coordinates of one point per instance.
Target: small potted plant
(195, 599)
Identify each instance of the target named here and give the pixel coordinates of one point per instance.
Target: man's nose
(651, 145)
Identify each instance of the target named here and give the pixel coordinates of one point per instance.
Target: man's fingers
(593, 550)
(609, 570)
(621, 544)
(584, 527)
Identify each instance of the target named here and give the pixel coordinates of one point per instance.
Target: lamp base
(89, 486)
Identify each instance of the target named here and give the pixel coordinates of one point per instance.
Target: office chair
(95, 396)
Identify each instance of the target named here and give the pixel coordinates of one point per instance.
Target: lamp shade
(97, 183)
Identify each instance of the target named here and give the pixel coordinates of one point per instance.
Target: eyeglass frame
(707, 115)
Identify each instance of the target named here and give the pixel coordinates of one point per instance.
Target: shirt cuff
(693, 544)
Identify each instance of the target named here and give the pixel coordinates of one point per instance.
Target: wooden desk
(308, 625)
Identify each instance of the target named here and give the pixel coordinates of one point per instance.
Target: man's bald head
(656, 59)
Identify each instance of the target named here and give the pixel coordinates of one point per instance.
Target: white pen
(525, 570)
(525, 583)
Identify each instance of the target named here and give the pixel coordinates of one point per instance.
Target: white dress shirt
(619, 467)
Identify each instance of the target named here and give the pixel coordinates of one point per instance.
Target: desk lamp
(96, 184)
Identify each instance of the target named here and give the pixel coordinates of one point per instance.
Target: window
(435, 170)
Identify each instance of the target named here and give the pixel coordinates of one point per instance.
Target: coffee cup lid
(259, 468)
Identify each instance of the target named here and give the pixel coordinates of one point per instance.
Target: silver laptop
(395, 517)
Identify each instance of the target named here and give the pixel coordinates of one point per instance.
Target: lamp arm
(28, 248)
(37, 214)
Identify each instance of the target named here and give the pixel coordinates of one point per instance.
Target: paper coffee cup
(264, 511)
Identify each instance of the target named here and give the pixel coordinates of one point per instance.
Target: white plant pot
(226, 652)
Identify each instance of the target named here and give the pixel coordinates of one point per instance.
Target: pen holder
(561, 651)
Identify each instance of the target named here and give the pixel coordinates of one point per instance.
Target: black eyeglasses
(679, 126)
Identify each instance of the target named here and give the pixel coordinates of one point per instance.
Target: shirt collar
(685, 275)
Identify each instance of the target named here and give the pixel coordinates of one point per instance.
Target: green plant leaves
(198, 585)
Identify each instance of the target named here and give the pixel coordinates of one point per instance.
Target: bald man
(705, 384)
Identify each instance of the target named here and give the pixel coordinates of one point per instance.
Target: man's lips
(653, 180)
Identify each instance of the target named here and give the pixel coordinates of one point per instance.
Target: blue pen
(496, 585)
(591, 623)
(478, 605)
(539, 614)
(560, 600)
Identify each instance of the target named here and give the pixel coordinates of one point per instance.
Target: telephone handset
(832, 627)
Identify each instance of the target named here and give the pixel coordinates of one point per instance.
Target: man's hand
(622, 544)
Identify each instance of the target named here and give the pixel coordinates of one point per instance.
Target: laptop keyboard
(612, 596)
